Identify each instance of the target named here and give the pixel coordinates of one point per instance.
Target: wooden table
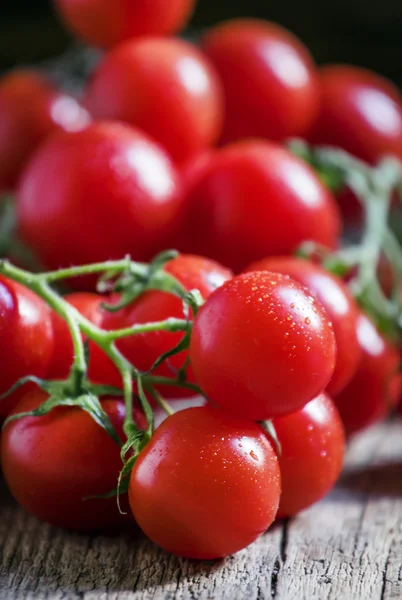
(347, 547)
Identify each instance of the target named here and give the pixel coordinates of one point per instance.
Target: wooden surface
(349, 546)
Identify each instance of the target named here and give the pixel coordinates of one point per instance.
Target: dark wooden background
(367, 33)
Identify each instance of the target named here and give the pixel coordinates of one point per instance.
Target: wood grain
(349, 546)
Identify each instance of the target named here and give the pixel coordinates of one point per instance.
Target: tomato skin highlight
(360, 112)
(206, 485)
(52, 463)
(129, 83)
(262, 347)
(99, 194)
(313, 447)
(375, 388)
(105, 24)
(339, 304)
(31, 108)
(269, 79)
(26, 339)
(193, 272)
(255, 199)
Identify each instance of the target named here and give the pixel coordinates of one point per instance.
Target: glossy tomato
(52, 463)
(206, 485)
(26, 338)
(164, 86)
(30, 109)
(193, 272)
(105, 23)
(360, 112)
(339, 304)
(255, 199)
(262, 347)
(313, 446)
(375, 387)
(101, 369)
(269, 79)
(98, 194)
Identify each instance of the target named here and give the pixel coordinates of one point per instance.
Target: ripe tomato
(360, 112)
(26, 338)
(339, 304)
(131, 81)
(313, 446)
(30, 109)
(98, 194)
(375, 387)
(104, 23)
(262, 347)
(193, 272)
(101, 369)
(52, 463)
(255, 199)
(269, 79)
(206, 485)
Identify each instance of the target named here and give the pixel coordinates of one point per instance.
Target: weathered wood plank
(347, 546)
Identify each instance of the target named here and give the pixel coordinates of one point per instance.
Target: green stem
(117, 266)
(77, 323)
(159, 380)
(165, 406)
(171, 324)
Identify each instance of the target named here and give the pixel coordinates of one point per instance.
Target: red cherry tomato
(255, 199)
(105, 23)
(313, 446)
(262, 347)
(26, 338)
(360, 112)
(164, 86)
(376, 385)
(101, 369)
(52, 463)
(339, 304)
(30, 109)
(206, 485)
(193, 272)
(98, 194)
(269, 79)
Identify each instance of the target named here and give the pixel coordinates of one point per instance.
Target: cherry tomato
(360, 112)
(193, 272)
(98, 194)
(313, 446)
(269, 79)
(376, 385)
(339, 304)
(255, 199)
(101, 369)
(52, 463)
(105, 23)
(164, 86)
(30, 109)
(206, 485)
(262, 347)
(26, 338)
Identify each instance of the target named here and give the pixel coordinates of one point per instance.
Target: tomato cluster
(174, 145)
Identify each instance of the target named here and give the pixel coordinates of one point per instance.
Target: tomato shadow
(37, 558)
(7, 500)
(378, 480)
